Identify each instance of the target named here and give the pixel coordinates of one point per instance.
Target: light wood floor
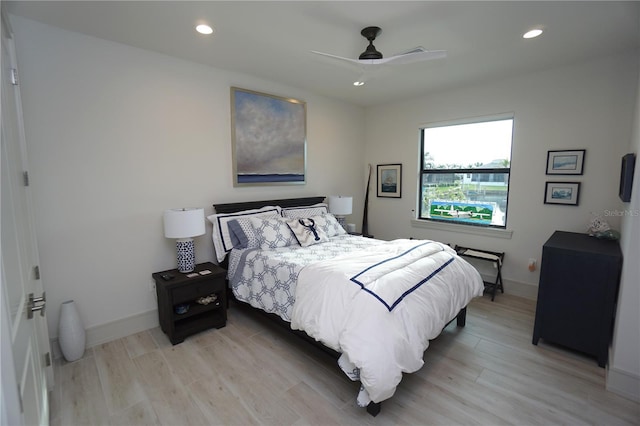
(253, 372)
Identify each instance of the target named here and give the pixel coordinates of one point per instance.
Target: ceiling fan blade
(415, 56)
(328, 55)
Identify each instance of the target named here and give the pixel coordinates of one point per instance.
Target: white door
(25, 340)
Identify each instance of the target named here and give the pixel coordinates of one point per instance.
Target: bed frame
(374, 407)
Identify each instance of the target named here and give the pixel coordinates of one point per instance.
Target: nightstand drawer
(191, 292)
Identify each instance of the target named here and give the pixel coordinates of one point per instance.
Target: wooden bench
(496, 257)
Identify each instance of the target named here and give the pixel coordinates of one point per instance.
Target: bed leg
(374, 408)
(461, 319)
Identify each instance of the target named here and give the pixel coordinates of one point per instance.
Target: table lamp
(340, 206)
(184, 224)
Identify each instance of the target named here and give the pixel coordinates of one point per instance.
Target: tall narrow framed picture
(269, 139)
(626, 176)
(390, 180)
(565, 162)
(567, 193)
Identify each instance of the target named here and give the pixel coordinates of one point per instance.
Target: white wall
(116, 135)
(623, 375)
(588, 105)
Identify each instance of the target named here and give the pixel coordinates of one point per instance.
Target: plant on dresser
(189, 303)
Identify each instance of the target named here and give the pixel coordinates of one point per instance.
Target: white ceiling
(273, 40)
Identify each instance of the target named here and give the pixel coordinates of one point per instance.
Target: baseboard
(623, 383)
(117, 329)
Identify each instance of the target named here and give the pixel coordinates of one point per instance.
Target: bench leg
(498, 284)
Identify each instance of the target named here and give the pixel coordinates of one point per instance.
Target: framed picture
(626, 176)
(269, 139)
(566, 193)
(565, 162)
(390, 180)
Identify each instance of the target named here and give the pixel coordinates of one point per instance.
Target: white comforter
(380, 307)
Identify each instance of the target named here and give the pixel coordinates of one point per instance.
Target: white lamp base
(186, 255)
(342, 220)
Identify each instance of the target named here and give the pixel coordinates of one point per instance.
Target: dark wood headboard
(247, 205)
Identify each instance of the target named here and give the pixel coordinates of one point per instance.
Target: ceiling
(273, 40)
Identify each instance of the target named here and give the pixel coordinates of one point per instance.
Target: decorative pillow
(332, 227)
(273, 233)
(305, 211)
(307, 232)
(221, 235)
(242, 234)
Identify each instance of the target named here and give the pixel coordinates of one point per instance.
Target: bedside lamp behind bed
(340, 206)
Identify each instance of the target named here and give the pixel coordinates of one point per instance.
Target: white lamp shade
(340, 205)
(183, 223)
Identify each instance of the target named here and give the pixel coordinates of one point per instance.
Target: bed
(373, 304)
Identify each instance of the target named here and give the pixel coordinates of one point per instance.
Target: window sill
(463, 229)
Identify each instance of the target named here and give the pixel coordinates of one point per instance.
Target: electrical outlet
(532, 264)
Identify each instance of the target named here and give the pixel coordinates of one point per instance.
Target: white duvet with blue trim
(379, 306)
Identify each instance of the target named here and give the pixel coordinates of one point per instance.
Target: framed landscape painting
(269, 137)
(390, 180)
(565, 162)
(566, 193)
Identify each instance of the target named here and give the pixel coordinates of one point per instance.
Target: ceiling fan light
(532, 33)
(204, 29)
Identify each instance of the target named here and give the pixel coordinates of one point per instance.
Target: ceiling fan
(372, 58)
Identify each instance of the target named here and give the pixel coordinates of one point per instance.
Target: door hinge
(47, 359)
(25, 175)
(14, 76)
(36, 272)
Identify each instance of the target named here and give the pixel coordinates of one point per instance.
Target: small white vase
(71, 333)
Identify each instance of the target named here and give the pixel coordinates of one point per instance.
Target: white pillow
(221, 235)
(305, 211)
(273, 232)
(307, 232)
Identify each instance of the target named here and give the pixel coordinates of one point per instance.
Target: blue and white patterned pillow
(243, 236)
(305, 211)
(220, 233)
(331, 225)
(273, 233)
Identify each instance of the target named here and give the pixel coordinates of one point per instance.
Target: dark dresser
(577, 293)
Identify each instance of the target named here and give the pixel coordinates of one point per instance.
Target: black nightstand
(184, 290)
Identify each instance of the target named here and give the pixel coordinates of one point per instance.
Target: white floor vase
(71, 333)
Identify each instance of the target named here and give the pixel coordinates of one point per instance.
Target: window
(464, 173)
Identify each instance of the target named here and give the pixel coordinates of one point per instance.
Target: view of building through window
(465, 172)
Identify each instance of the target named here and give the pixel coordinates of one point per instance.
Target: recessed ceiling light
(204, 29)
(358, 83)
(533, 33)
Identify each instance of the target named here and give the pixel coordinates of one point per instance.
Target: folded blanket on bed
(380, 307)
